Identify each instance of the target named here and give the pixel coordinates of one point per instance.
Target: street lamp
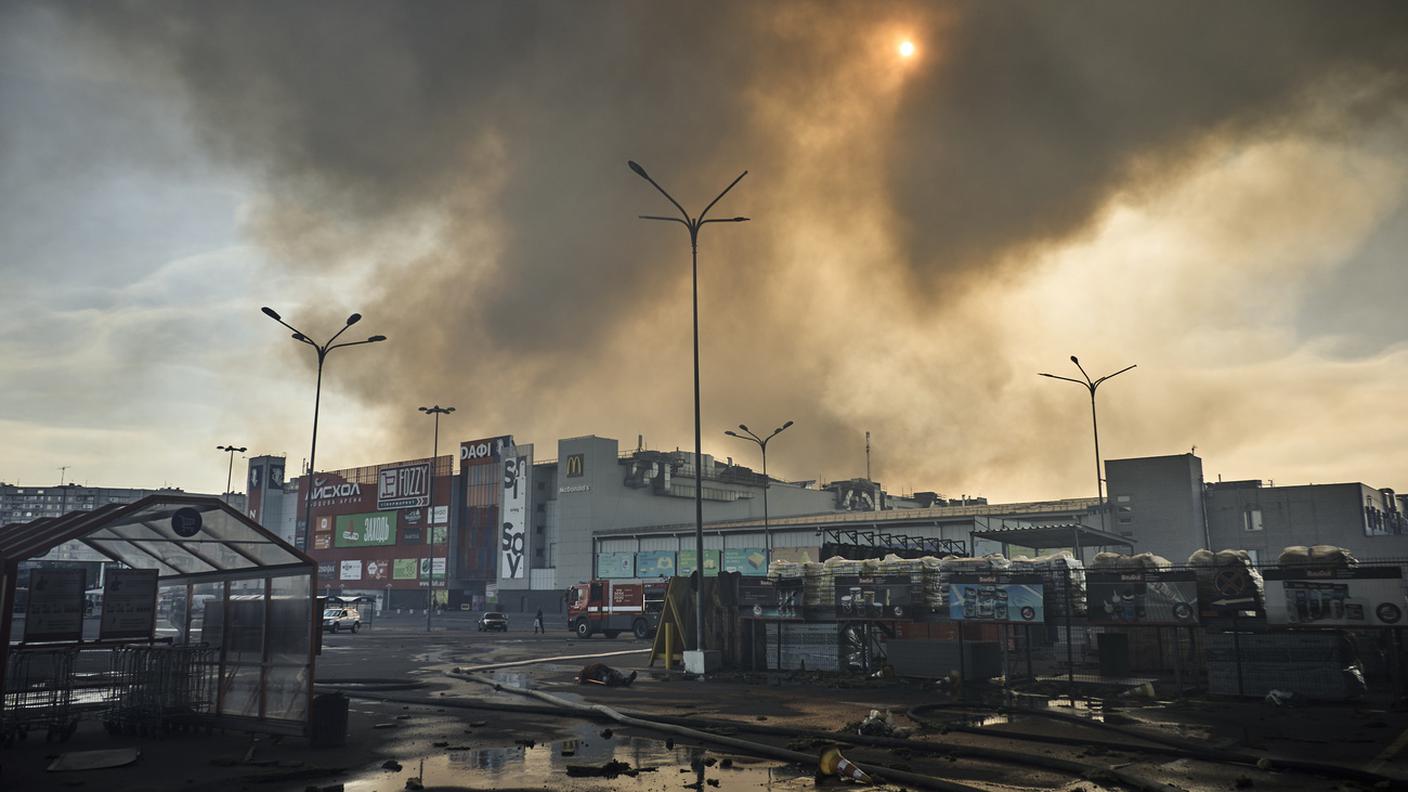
(1091, 385)
(322, 352)
(436, 411)
(229, 474)
(767, 482)
(693, 225)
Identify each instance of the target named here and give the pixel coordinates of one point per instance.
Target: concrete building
(1158, 502)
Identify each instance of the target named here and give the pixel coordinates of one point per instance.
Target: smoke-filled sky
(1217, 192)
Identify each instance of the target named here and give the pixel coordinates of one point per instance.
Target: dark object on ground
(726, 762)
(392, 765)
(603, 674)
(611, 769)
(383, 725)
(439, 744)
(525, 743)
(712, 781)
(762, 717)
(477, 724)
(414, 783)
(94, 760)
(606, 733)
(670, 743)
(710, 762)
(1243, 782)
(328, 788)
(329, 721)
(403, 717)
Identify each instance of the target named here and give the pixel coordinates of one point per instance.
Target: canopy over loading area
(230, 594)
(1076, 536)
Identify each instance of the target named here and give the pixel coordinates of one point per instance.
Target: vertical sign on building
(513, 547)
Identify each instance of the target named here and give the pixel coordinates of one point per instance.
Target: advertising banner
(129, 604)
(1369, 596)
(350, 570)
(439, 515)
(55, 609)
(378, 569)
(513, 538)
(873, 596)
(746, 560)
(322, 541)
(995, 598)
(615, 565)
(1142, 597)
(437, 534)
(765, 598)
(404, 487)
(429, 567)
(655, 563)
(365, 530)
(327, 570)
(404, 569)
(688, 560)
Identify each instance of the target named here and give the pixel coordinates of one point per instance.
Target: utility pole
(436, 411)
(63, 491)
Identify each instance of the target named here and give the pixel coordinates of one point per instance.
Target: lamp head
(299, 337)
(376, 338)
(635, 166)
(1075, 360)
(354, 319)
(789, 423)
(744, 427)
(271, 313)
(730, 433)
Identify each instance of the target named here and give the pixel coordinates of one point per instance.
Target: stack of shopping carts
(39, 694)
(161, 689)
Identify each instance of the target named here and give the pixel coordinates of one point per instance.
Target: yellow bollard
(669, 647)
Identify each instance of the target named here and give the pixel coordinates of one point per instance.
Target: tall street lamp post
(693, 225)
(322, 351)
(436, 411)
(767, 482)
(1091, 385)
(229, 474)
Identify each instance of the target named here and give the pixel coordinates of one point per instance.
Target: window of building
(1251, 520)
(1126, 520)
(1122, 499)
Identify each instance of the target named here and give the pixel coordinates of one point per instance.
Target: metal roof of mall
(186, 538)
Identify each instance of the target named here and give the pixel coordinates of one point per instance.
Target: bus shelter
(235, 602)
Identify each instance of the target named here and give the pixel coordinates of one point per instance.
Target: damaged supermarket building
(509, 530)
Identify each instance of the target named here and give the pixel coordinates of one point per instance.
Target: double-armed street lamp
(436, 411)
(322, 351)
(767, 482)
(693, 225)
(1091, 385)
(229, 474)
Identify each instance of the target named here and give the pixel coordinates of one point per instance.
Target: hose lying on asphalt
(1171, 746)
(743, 746)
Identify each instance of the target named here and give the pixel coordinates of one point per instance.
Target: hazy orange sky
(1213, 191)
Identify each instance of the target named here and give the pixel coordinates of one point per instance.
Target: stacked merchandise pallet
(1057, 571)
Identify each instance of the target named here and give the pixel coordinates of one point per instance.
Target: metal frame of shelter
(1043, 537)
(227, 548)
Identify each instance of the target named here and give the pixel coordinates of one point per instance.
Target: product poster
(55, 609)
(615, 565)
(1142, 597)
(655, 563)
(1013, 599)
(129, 604)
(404, 569)
(688, 560)
(350, 570)
(373, 529)
(765, 598)
(746, 560)
(1357, 597)
(873, 596)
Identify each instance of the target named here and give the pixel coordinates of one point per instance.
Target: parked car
(493, 621)
(335, 619)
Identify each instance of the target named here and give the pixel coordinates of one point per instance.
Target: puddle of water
(545, 766)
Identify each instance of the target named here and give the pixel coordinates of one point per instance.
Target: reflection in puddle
(518, 767)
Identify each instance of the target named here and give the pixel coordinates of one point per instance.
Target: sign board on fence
(1142, 597)
(655, 563)
(765, 598)
(129, 604)
(746, 560)
(55, 610)
(1369, 596)
(689, 559)
(995, 598)
(873, 596)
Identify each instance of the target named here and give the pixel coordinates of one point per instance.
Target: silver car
(335, 619)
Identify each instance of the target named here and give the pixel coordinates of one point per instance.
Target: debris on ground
(603, 674)
(94, 760)
(383, 725)
(606, 733)
(726, 762)
(414, 784)
(712, 781)
(440, 744)
(611, 769)
(525, 743)
(879, 723)
(392, 765)
(1280, 698)
(670, 743)
(327, 788)
(1242, 782)
(403, 717)
(477, 724)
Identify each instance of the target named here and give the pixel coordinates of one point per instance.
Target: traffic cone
(833, 763)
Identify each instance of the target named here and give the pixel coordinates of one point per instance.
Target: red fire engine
(611, 607)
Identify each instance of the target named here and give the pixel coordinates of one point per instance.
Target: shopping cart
(160, 689)
(38, 694)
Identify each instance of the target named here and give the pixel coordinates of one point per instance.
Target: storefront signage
(655, 563)
(55, 609)
(404, 568)
(365, 530)
(995, 598)
(378, 569)
(615, 565)
(323, 489)
(484, 450)
(765, 598)
(1142, 597)
(574, 489)
(351, 570)
(129, 604)
(186, 521)
(746, 560)
(1370, 596)
(404, 487)
(873, 596)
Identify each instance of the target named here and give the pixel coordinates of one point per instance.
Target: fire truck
(611, 607)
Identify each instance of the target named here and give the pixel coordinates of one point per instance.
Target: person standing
(538, 623)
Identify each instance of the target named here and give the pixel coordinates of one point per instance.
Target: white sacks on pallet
(1227, 577)
(1318, 555)
(1057, 571)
